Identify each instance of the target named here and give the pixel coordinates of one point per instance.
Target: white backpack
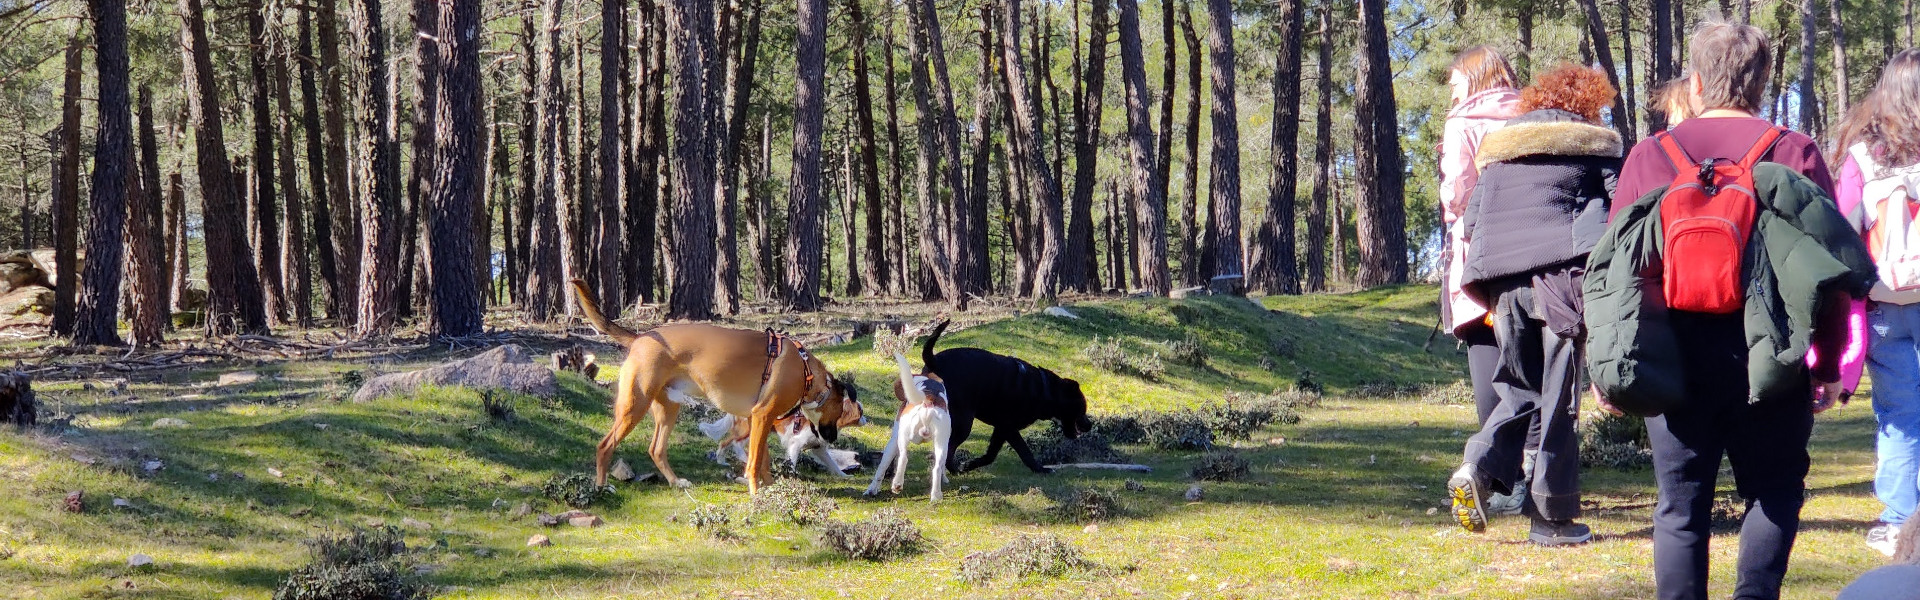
(1886, 220)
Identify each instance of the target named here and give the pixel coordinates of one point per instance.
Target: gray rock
(1184, 293)
(170, 423)
(621, 471)
(547, 520)
(1227, 285)
(588, 521)
(522, 510)
(139, 560)
(412, 523)
(237, 378)
(1194, 494)
(1062, 312)
(539, 541)
(508, 367)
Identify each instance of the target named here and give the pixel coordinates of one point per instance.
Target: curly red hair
(1572, 88)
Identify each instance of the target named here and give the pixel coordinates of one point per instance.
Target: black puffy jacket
(1545, 183)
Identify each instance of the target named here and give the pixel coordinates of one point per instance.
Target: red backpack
(1706, 218)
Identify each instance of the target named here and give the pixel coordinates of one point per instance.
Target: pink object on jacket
(1467, 124)
(1847, 197)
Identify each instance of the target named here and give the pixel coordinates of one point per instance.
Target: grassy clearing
(1336, 506)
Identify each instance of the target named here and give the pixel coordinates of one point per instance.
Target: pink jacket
(1847, 197)
(1467, 124)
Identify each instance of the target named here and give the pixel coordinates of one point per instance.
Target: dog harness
(774, 338)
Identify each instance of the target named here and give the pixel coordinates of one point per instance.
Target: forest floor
(1346, 503)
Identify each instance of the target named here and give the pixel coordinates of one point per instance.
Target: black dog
(1005, 392)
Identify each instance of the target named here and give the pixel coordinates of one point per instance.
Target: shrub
(712, 519)
(886, 343)
(1113, 357)
(574, 489)
(1082, 505)
(1051, 448)
(1387, 390)
(1458, 393)
(1306, 384)
(1045, 555)
(359, 565)
(499, 408)
(1615, 441)
(794, 500)
(1221, 465)
(1188, 351)
(1240, 415)
(883, 536)
(1180, 430)
(1121, 429)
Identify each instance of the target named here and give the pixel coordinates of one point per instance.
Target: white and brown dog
(796, 435)
(923, 418)
(749, 374)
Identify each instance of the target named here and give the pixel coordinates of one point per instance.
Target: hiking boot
(1559, 533)
(1468, 489)
(1508, 505)
(1884, 537)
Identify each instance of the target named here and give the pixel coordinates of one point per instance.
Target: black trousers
(1767, 444)
(1535, 381)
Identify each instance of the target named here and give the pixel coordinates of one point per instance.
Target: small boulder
(153, 466)
(547, 520)
(139, 560)
(415, 524)
(1194, 494)
(538, 541)
(1062, 312)
(122, 503)
(275, 472)
(522, 510)
(621, 471)
(588, 521)
(507, 367)
(1185, 293)
(1227, 285)
(170, 423)
(237, 378)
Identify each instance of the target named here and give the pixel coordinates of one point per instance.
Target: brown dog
(748, 374)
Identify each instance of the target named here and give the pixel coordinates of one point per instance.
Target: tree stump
(16, 399)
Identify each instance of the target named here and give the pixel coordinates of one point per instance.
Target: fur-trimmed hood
(1548, 132)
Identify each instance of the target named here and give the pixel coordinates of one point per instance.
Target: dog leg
(822, 455)
(903, 453)
(962, 428)
(1026, 454)
(665, 414)
(886, 459)
(993, 451)
(939, 459)
(629, 404)
(759, 463)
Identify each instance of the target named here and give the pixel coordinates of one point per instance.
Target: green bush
(1221, 465)
(1615, 441)
(1045, 555)
(1188, 351)
(359, 565)
(712, 519)
(1082, 505)
(1120, 429)
(886, 535)
(1184, 429)
(794, 500)
(574, 489)
(1112, 356)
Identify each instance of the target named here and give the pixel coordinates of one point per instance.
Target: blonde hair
(1484, 69)
(1675, 100)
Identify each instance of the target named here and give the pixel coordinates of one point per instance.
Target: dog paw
(682, 484)
(871, 492)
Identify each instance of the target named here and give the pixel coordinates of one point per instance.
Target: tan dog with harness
(760, 377)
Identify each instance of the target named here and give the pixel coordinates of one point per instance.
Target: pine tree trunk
(116, 181)
(295, 267)
(544, 296)
(1081, 270)
(317, 171)
(177, 234)
(530, 132)
(942, 249)
(147, 260)
(896, 190)
(1322, 157)
(266, 211)
(1842, 95)
(1169, 85)
(690, 27)
(1662, 42)
(414, 254)
(1628, 83)
(1274, 270)
(66, 196)
(804, 236)
(1042, 186)
(643, 197)
(740, 81)
(234, 302)
(509, 200)
(457, 187)
(1223, 223)
(381, 216)
(613, 66)
(1203, 257)
(876, 274)
(1523, 18)
(1148, 194)
(1809, 110)
(1597, 27)
(1383, 213)
(345, 211)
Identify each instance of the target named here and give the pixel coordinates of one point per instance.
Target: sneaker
(1468, 488)
(1559, 533)
(1883, 537)
(1508, 505)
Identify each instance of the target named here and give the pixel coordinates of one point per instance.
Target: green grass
(1338, 506)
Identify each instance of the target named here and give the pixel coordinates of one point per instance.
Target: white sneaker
(1884, 538)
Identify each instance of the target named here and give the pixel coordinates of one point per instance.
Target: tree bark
(876, 273)
(1842, 95)
(266, 211)
(1147, 191)
(1628, 83)
(177, 232)
(613, 67)
(457, 191)
(740, 81)
(544, 295)
(381, 215)
(1080, 271)
(643, 195)
(804, 236)
(896, 192)
(1203, 257)
(317, 171)
(690, 27)
(1189, 239)
(1603, 49)
(414, 254)
(147, 264)
(1322, 157)
(1809, 109)
(1273, 269)
(1224, 177)
(66, 197)
(295, 267)
(1661, 43)
(115, 181)
(1042, 186)
(1377, 156)
(345, 211)
(943, 251)
(531, 129)
(234, 302)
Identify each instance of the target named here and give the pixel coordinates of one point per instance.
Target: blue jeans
(1893, 360)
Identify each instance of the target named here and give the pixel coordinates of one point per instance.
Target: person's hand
(1602, 401)
(1826, 395)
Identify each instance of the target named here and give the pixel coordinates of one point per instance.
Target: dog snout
(829, 433)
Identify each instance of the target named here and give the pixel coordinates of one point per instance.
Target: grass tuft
(363, 564)
(1082, 505)
(1221, 465)
(794, 500)
(1044, 555)
(887, 534)
(574, 489)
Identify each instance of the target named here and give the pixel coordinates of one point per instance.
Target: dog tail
(913, 393)
(926, 350)
(600, 321)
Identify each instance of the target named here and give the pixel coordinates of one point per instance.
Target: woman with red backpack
(1879, 144)
(1540, 205)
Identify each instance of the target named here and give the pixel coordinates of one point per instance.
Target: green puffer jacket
(1802, 248)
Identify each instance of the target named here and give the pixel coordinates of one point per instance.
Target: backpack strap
(1762, 147)
(1676, 155)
